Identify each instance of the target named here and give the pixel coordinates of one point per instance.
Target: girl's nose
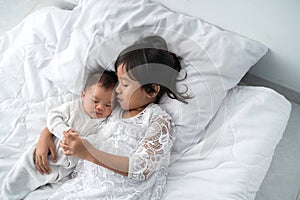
(118, 89)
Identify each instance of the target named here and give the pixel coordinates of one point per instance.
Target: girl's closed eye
(124, 83)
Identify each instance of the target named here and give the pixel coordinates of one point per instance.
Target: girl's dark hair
(107, 79)
(149, 62)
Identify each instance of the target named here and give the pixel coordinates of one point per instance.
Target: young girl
(129, 158)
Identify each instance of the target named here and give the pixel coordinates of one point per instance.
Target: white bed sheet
(229, 163)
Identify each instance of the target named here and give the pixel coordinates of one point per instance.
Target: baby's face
(97, 101)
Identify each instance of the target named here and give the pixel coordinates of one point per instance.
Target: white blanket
(251, 120)
(25, 95)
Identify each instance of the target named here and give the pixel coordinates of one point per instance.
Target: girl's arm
(44, 145)
(74, 145)
(152, 154)
(154, 151)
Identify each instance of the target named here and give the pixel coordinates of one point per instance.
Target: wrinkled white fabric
(250, 131)
(146, 139)
(24, 178)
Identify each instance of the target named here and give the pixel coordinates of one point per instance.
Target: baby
(84, 116)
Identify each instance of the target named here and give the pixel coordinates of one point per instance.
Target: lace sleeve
(153, 152)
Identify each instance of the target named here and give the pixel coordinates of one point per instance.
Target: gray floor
(282, 181)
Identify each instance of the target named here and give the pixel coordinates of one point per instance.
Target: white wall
(275, 23)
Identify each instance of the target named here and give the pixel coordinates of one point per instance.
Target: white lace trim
(146, 139)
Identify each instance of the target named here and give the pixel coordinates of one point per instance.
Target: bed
(226, 135)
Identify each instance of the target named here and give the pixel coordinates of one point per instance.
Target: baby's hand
(67, 135)
(73, 144)
(70, 131)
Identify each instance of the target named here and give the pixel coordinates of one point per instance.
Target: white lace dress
(146, 139)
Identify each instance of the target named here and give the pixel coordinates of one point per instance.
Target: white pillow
(215, 60)
(244, 144)
(74, 2)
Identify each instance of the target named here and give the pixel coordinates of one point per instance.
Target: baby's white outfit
(24, 177)
(146, 139)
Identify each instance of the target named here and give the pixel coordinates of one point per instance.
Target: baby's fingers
(74, 134)
(67, 152)
(66, 134)
(63, 145)
(66, 149)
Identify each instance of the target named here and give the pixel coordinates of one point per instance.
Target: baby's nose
(99, 107)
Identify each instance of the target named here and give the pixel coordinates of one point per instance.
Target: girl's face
(130, 95)
(97, 101)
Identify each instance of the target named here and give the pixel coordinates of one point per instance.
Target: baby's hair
(149, 62)
(107, 79)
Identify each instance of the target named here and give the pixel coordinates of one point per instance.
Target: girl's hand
(44, 145)
(74, 145)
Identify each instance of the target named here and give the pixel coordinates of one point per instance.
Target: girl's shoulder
(155, 107)
(152, 111)
(157, 111)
